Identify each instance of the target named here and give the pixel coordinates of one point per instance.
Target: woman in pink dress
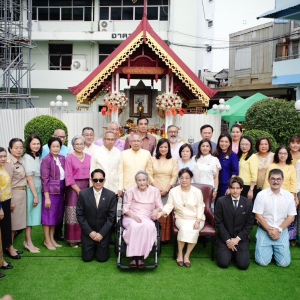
(141, 204)
(77, 178)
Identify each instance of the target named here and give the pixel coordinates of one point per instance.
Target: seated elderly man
(141, 204)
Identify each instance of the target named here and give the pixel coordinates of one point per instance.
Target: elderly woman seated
(189, 213)
(142, 204)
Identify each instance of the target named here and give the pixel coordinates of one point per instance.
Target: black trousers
(92, 249)
(246, 189)
(242, 256)
(6, 225)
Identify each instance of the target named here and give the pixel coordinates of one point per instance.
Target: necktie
(235, 204)
(97, 198)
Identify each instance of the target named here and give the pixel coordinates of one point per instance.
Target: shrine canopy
(143, 55)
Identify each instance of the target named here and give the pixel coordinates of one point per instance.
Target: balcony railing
(294, 56)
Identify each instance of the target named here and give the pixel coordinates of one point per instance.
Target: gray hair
(172, 126)
(58, 129)
(135, 133)
(109, 131)
(141, 173)
(76, 137)
(112, 123)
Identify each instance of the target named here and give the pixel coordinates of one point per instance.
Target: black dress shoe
(7, 267)
(13, 257)
(19, 252)
(2, 275)
(8, 262)
(59, 237)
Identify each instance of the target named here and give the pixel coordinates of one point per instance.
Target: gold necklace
(185, 196)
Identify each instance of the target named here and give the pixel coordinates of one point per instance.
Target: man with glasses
(172, 132)
(274, 210)
(96, 214)
(60, 133)
(134, 159)
(120, 144)
(89, 135)
(109, 159)
(148, 140)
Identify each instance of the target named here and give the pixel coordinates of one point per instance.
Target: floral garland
(169, 103)
(114, 101)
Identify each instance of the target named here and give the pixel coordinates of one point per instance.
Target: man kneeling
(96, 214)
(275, 210)
(234, 220)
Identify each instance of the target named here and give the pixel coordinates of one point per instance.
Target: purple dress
(77, 173)
(140, 237)
(52, 184)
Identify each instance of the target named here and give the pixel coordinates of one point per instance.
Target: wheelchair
(120, 245)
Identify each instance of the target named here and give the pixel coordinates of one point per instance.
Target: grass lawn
(62, 274)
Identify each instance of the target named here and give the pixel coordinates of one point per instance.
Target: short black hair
(98, 171)
(142, 118)
(28, 150)
(2, 149)
(183, 147)
(206, 126)
(289, 158)
(261, 139)
(238, 180)
(160, 142)
(54, 139)
(12, 141)
(87, 128)
(185, 170)
(275, 171)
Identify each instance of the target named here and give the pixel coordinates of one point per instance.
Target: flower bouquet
(114, 101)
(168, 104)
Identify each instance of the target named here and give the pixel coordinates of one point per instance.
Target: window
(243, 58)
(127, 10)
(60, 56)
(62, 10)
(210, 23)
(105, 50)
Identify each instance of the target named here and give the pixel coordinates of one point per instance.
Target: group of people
(52, 186)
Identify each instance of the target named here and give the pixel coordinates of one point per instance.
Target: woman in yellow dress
(283, 161)
(163, 171)
(189, 213)
(295, 147)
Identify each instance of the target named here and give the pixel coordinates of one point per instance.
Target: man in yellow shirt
(134, 159)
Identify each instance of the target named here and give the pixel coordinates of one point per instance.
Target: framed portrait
(140, 100)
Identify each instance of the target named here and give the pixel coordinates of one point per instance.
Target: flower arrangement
(114, 101)
(169, 103)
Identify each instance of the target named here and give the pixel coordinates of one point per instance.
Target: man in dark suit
(96, 213)
(234, 220)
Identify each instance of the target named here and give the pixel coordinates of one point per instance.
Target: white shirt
(274, 208)
(91, 150)
(207, 169)
(61, 170)
(110, 161)
(174, 151)
(233, 199)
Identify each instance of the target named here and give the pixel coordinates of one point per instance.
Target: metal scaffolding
(15, 54)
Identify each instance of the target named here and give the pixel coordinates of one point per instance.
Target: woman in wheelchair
(189, 213)
(142, 204)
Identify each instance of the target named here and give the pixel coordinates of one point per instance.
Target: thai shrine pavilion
(143, 55)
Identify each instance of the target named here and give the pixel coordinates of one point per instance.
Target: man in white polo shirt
(274, 210)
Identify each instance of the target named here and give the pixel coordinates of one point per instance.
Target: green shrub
(276, 116)
(44, 126)
(255, 134)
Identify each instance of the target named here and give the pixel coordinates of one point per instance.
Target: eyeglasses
(282, 154)
(79, 145)
(245, 145)
(275, 179)
(98, 180)
(61, 137)
(172, 132)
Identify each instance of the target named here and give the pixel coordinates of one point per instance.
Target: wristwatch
(279, 229)
(214, 190)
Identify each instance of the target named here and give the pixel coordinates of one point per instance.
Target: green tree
(44, 126)
(276, 116)
(255, 134)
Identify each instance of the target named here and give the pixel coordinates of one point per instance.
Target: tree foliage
(255, 134)
(44, 126)
(276, 116)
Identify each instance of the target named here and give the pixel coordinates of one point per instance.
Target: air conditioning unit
(35, 26)
(106, 26)
(78, 65)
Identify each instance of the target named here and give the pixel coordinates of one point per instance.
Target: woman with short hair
(141, 205)
(32, 165)
(187, 201)
(77, 178)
